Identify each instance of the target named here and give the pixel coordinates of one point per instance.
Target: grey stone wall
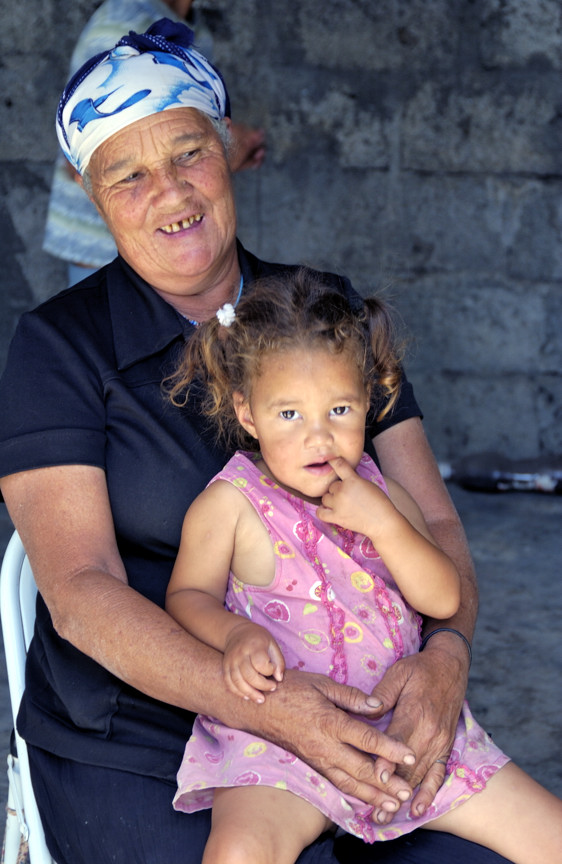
(413, 144)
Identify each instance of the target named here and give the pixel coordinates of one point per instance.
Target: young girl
(323, 566)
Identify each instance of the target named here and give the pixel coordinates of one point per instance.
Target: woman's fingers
(339, 746)
(429, 787)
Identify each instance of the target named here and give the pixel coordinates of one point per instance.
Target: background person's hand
(248, 150)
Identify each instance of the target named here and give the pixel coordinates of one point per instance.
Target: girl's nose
(318, 434)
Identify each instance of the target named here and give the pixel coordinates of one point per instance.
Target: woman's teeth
(174, 227)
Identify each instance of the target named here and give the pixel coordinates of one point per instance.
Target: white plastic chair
(17, 605)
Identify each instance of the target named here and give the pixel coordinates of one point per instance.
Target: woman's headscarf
(140, 76)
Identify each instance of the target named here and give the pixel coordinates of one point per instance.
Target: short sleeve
(51, 398)
(406, 406)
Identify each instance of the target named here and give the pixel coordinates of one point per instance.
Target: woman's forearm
(202, 615)
(451, 538)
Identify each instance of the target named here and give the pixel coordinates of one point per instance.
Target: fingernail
(420, 809)
(390, 806)
(385, 776)
(373, 702)
(404, 795)
(409, 760)
(381, 817)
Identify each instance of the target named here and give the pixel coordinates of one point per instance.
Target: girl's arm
(197, 589)
(426, 576)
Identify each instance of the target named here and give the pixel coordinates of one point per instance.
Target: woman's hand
(252, 658)
(304, 716)
(427, 692)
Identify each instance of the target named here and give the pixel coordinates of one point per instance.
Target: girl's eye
(289, 414)
(340, 410)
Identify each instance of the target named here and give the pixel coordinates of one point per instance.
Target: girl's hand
(353, 502)
(252, 662)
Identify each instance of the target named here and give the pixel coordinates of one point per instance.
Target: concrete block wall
(414, 145)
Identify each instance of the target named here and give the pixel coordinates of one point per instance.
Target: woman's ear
(244, 413)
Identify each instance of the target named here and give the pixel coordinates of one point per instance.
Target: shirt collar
(143, 323)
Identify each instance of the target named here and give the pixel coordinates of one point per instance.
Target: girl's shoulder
(240, 469)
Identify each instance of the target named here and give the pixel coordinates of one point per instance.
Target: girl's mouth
(320, 468)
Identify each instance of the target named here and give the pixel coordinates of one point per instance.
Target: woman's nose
(169, 182)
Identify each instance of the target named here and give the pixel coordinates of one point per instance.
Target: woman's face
(163, 187)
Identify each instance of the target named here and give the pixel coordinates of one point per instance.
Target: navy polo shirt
(82, 385)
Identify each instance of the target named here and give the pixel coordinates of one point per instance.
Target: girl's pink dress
(334, 608)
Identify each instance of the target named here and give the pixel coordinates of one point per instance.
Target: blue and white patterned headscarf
(142, 75)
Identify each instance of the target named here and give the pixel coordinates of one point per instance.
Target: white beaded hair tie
(226, 314)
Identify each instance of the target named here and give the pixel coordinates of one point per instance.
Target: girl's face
(305, 408)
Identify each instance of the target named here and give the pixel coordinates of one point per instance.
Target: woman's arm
(63, 517)
(428, 689)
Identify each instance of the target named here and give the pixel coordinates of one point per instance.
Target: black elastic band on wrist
(426, 639)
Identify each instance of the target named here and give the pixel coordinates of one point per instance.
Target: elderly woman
(99, 468)
(74, 231)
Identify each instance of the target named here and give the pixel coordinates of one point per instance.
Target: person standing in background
(74, 230)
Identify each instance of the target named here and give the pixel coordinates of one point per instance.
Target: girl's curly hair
(283, 313)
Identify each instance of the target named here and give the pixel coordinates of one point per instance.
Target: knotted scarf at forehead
(142, 75)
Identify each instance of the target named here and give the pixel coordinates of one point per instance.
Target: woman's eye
(289, 414)
(130, 178)
(187, 156)
(340, 410)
